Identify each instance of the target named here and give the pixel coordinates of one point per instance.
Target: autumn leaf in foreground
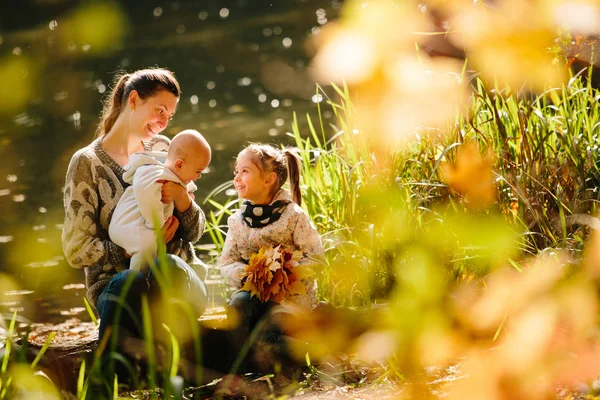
(274, 274)
(471, 175)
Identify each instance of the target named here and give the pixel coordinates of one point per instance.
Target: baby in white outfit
(140, 212)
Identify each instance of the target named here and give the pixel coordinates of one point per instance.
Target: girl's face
(250, 183)
(151, 116)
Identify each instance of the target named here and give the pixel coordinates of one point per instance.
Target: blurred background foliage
(468, 190)
(451, 164)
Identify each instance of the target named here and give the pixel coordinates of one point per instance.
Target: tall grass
(370, 206)
(546, 150)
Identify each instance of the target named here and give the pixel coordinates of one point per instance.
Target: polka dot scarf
(261, 215)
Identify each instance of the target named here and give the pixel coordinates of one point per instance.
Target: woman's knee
(240, 311)
(177, 270)
(240, 300)
(130, 280)
(126, 287)
(171, 260)
(180, 281)
(168, 262)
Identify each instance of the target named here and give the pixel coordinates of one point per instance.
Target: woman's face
(151, 116)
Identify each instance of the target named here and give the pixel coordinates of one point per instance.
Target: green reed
(546, 174)
(546, 150)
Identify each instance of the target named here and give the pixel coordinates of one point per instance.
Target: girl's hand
(176, 193)
(169, 228)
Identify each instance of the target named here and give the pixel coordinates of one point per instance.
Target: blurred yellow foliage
(398, 90)
(18, 75)
(30, 384)
(8, 285)
(369, 35)
(579, 17)
(471, 175)
(518, 327)
(509, 43)
(547, 337)
(100, 25)
(520, 336)
(395, 90)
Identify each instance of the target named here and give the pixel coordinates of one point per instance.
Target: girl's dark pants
(251, 325)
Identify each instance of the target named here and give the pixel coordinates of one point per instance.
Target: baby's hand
(169, 228)
(176, 193)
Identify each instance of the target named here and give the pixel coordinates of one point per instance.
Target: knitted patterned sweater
(93, 186)
(293, 230)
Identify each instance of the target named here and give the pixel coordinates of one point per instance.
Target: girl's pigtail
(112, 106)
(294, 164)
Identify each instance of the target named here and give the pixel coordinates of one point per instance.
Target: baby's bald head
(191, 148)
(189, 143)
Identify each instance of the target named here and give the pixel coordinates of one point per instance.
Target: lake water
(242, 65)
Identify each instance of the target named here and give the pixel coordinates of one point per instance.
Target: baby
(140, 211)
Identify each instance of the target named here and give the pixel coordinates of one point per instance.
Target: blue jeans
(120, 302)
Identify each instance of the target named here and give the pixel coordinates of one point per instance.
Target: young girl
(268, 216)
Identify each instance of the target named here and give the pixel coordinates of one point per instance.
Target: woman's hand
(169, 228)
(172, 191)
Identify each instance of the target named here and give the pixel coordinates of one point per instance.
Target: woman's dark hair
(147, 83)
(285, 163)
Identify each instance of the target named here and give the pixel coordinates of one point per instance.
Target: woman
(138, 108)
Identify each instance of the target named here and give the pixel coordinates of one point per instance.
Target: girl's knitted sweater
(93, 186)
(293, 230)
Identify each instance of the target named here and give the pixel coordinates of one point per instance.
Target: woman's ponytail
(112, 106)
(293, 165)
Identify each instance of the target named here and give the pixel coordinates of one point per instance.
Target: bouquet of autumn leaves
(275, 274)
